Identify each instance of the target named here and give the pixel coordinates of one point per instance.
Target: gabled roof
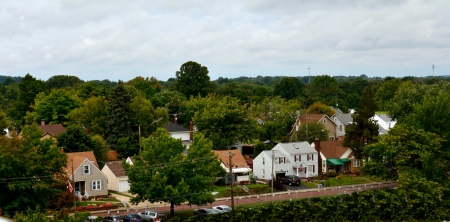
(237, 159)
(78, 158)
(311, 117)
(345, 118)
(52, 129)
(172, 127)
(296, 148)
(333, 149)
(385, 117)
(116, 168)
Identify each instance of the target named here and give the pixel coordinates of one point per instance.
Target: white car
(222, 209)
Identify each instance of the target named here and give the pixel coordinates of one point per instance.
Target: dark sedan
(290, 180)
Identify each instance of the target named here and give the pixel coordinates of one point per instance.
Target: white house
(384, 123)
(342, 120)
(297, 158)
(180, 132)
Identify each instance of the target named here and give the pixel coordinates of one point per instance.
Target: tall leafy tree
(308, 132)
(161, 172)
(225, 122)
(55, 106)
(364, 129)
(320, 108)
(120, 117)
(192, 79)
(91, 115)
(386, 92)
(146, 116)
(144, 85)
(289, 88)
(29, 87)
(62, 81)
(29, 166)
(325, 89)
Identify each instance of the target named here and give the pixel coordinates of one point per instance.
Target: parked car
(204, 211)
(222, 209)
(290, 180)
(112, 218)
(152, 215)
(90, 218)
(132, 218)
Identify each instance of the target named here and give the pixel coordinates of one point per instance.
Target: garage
(124, 186)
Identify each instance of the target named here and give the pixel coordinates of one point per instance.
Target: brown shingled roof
(311, 117)
(78, 158)
(332, 149)
(237, 159)
(116, 168)
(52, 129)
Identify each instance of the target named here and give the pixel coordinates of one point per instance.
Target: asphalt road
(294, 192)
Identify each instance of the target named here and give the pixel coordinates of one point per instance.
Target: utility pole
(230, 155)
(433, 70)
(273, 177)
(74, 200)
(309, 77)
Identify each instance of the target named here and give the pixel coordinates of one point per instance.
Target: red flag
(70, 187)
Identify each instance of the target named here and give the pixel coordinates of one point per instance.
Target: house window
(281, 160)
(264, 162)
(96, 185)
(86, 169)
(297, 158)
(263, 173)
(340, 127)
(310, 168)
(331, 138)
(324, 120)
(324, 164)
(310, 157)
(356, 163)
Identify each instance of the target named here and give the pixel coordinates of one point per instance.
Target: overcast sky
(120, 39)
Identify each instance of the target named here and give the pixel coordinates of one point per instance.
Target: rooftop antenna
(310, 75)
(433, 69)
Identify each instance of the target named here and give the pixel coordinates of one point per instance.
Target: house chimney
(319, 157)
(42, 122)
(175, 119)
(191, 128)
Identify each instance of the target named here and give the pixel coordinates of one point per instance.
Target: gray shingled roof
(303, 147)
(172, 127)
(345, 118)
(385, 117)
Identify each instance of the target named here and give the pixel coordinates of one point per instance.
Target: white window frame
(324, 164)
(356, 163)
(281, 160)
(310, 169)
(88, 169)
(324, 120)
(96, 185)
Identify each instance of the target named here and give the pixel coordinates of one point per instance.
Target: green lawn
(345, 179)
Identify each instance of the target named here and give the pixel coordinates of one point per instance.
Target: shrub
(331, 174)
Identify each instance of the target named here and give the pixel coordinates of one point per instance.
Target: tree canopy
(192, 79)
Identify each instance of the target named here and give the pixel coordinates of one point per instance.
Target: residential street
(262, 198)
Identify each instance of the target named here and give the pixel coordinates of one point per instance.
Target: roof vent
(296, 147)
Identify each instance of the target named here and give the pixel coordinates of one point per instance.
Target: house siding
(95, 174)
(112, 179)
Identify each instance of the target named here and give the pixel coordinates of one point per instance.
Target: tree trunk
(172, 209)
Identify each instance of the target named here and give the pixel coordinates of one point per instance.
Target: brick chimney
(175, 119)
(191, 128)
(317, 147)
(42, 122)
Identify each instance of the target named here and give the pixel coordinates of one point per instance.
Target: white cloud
(122, 39)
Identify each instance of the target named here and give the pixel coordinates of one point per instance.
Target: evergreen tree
(120, 121)
(364, 129)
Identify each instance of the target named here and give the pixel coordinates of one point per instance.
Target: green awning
(345, 160)
(334, 162)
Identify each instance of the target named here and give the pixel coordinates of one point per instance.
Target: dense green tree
(143, 85)
(9, 81)
(121, 122)
(62, 81)
(192, 79)
(386, 92)
(162, 173)
(289, 88)
(91, 115)
(29, 166)
(76, 139)
(225, 122)
(146, 116)
(364, 129)
(233, 90)
(55, 107)
(325, 89)
(93, 88)
(29, 87)
(320, 108)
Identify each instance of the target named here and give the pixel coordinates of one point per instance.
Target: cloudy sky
(117, 39)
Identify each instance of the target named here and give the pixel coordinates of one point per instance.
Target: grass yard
(345, 179)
